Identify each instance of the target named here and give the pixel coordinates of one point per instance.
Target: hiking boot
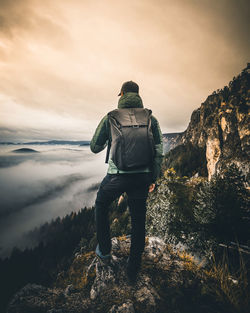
(104, 258)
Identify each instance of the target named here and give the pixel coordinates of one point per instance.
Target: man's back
(132, 145)
(103, 135)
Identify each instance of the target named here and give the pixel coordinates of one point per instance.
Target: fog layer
(35, 188)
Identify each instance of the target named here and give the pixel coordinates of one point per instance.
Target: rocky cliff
(220, 126)
(170, 141)
(165, 283)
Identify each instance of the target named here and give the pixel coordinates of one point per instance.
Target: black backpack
(132, 145)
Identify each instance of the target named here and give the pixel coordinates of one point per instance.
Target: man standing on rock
(135, 145)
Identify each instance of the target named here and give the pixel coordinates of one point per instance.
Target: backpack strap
(109, 143)
(108, 151)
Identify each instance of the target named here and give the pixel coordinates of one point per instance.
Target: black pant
(112, 186)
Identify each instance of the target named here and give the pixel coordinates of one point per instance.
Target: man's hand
(151, 188)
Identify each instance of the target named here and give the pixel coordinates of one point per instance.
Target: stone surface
(221, 125)
(106, 288)
(126, 307)
(170, 141)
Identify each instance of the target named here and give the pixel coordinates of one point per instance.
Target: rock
(220, 126)
(114, 277)
(213, 153)
(32, 296)
(91, 286)
(126, 307)
(105, 278)
(170, 141)
(146, 298)
(69, 290)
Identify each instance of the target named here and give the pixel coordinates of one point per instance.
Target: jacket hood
(130, 100)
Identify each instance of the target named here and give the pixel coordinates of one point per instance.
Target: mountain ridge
(220, 127)
(171, 140)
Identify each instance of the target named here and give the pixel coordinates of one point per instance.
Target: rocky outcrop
(170, 141)
(90, 286)
(221, 126)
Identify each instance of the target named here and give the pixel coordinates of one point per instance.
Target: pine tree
(221, 209)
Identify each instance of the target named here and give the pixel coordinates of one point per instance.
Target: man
(136, 182)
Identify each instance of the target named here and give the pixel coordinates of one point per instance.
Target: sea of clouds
(38, 187)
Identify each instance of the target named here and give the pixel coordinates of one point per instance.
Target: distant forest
(58, 241)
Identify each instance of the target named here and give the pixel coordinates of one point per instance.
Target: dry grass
(122, 238)
(77, 274)
(230, 286)
(227, 286)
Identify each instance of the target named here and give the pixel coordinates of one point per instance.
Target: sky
(62, 63)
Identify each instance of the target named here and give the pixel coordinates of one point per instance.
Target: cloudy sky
(62, 62)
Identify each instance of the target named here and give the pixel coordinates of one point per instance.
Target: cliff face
(221, 126)
(170, 141)
(166, 279)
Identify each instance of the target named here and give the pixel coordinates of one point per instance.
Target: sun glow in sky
(62, 63)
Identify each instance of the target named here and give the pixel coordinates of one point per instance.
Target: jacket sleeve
(101, 136)
(158, 140)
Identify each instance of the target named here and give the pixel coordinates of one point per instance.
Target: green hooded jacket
(102, 135)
